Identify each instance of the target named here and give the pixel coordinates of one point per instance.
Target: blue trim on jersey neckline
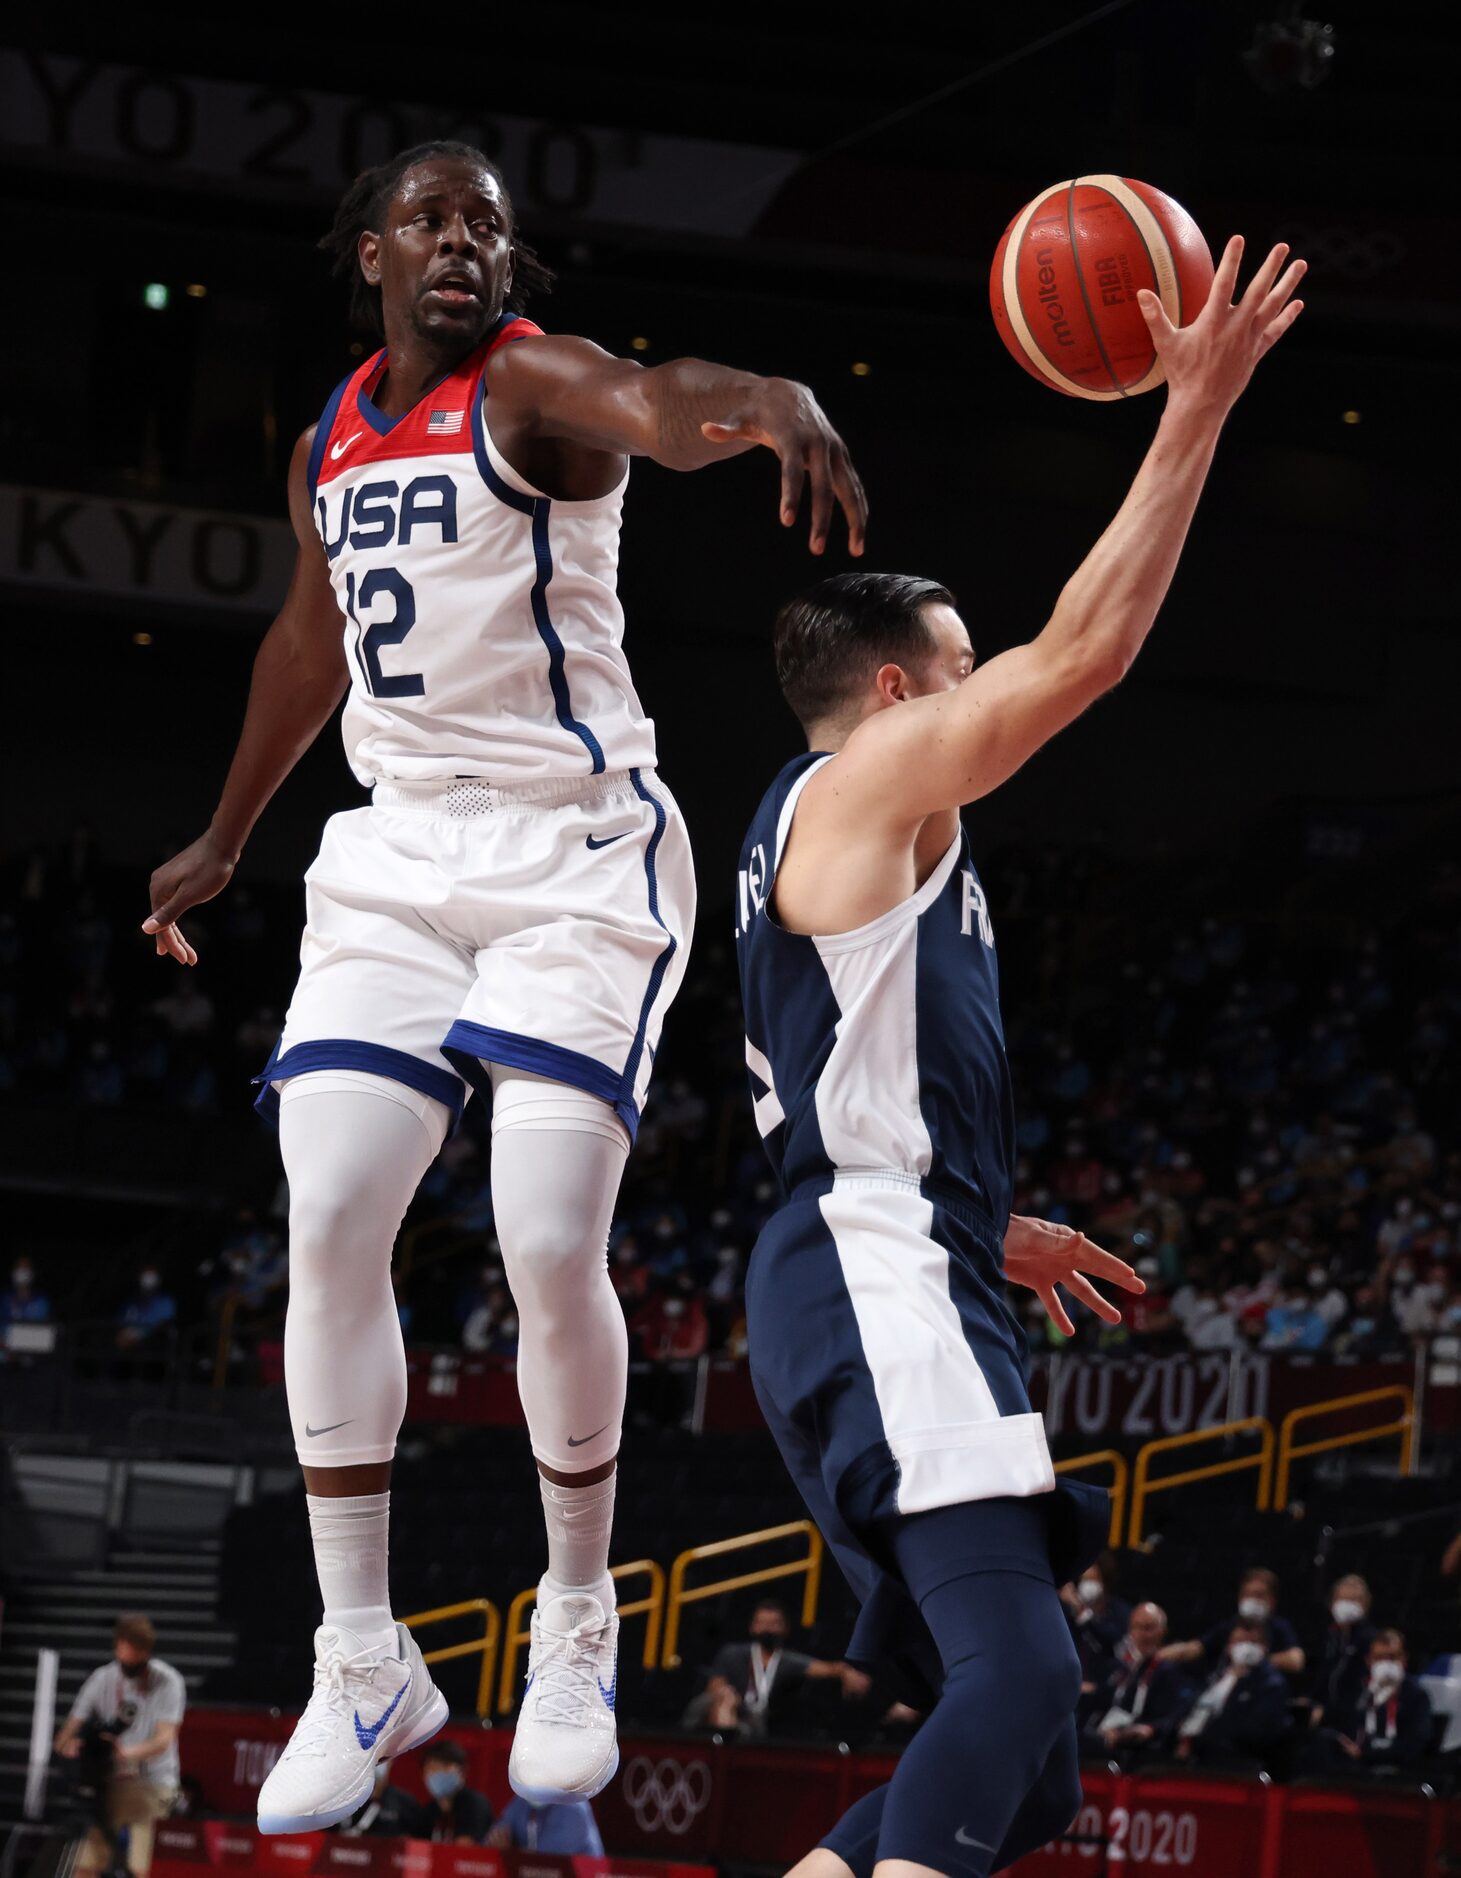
(471, 1046)
(372, 413)
(351, 1053)
(538, 509)
(322, 436)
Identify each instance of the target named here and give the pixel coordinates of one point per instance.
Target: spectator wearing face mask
(1339, 1675)
(1391, 1727)
(1098, 1621)
(1241, 1711)
(1371, 1329)
(147, 1313)
(672, 1326)
(23, 1303)
(1257, 1604)
(751, 1686)
(389, 1813)
(455, 1814)
(1140, 1697)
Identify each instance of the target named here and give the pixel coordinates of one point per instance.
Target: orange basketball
(1067, 272)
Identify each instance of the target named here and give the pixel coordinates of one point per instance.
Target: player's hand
(1041, 1255)
(188, 879)
(786, 418)
(69, 1750)
(1209, 362)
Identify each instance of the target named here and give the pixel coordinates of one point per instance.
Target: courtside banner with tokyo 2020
(687, 1801)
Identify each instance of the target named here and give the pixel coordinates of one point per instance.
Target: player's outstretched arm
(299, 678)
(939, 752)
(684, 414)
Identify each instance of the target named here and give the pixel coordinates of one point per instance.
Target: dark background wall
(1305, 672)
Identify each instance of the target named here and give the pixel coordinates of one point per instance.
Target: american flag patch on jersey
(443, 423)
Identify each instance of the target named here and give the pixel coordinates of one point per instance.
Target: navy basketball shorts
(887, 1363)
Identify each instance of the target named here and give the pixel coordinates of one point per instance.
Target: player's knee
(546, 1268)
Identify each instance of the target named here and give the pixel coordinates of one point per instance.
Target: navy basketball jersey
(880, 1048)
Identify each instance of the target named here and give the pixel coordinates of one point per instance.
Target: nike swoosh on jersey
(337, 450)
(580, 1441)
(367, 1737)
(310, 1433)
(605, 841)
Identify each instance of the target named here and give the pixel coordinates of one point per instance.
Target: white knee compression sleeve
(557, 1158)
(355, 1147)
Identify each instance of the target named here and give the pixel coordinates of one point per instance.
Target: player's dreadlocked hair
(364, 206)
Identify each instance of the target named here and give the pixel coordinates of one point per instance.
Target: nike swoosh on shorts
(310, 1433)
(596, 841)
(581, 1441)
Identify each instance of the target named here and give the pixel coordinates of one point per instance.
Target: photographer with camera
(123, 1734)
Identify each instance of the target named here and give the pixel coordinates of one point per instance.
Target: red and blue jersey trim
(353, 431)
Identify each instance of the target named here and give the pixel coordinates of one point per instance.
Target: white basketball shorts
(545, 926)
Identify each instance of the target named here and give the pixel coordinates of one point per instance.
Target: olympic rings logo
(666, 1795)
(1354, 253)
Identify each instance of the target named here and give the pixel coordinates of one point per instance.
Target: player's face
(444, 261)
(952, 657)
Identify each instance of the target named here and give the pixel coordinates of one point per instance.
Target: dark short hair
(1252, 1627)
(830, 640)
(363, 208)
(452, 1752)
(1260, 1574)
(771, 1604)
(132, 1627)
(1390, 1635)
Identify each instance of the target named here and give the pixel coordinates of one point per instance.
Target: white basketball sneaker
(365, 1708)
(566, 1747)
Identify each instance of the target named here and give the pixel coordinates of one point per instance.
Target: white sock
(580, 1521)
(351, 1541)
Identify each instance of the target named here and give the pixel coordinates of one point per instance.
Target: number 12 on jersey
(385, 632)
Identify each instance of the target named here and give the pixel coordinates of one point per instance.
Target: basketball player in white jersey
(511, 914)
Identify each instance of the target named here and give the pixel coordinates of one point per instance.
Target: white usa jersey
(483, 631)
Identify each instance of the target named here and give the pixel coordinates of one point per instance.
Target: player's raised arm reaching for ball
(884, 1355)
(862, 823)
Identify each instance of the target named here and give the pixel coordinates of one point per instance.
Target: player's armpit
(915, 758)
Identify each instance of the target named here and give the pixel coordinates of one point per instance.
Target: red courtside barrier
(691, 1802)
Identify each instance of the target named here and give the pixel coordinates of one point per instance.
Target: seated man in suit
(1241, 1712)
(1389, 1729)
(753, 1685)
(388, 1811)
(1258, 1603)
(1141, 1698)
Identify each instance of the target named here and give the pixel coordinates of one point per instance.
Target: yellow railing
(1120, 1475)
(519, 1624)
(1144, 1486)
(811, 1565)
(487, 1643)
(1288, 1452)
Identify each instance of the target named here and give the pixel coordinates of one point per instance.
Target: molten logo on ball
(1067, 273)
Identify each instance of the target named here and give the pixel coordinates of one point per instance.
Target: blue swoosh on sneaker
(611, 1692)
(367, 1737)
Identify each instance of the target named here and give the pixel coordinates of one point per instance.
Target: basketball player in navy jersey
(886, 1360)
(511, 914)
